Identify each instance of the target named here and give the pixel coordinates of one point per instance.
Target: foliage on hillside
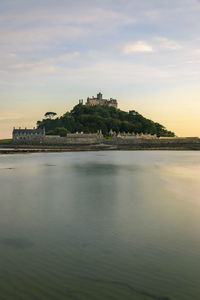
(83, 118)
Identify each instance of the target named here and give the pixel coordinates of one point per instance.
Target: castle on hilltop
(100, 101)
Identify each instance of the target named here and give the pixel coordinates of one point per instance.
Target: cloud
(116, 71)
(139, 46)
(156, 44)
(167, 44)
(43, 65)
(29, 30)
(66, 15)
(24, 37)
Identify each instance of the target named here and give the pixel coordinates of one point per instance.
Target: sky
(144, 53)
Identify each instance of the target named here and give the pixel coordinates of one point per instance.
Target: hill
(90, 119)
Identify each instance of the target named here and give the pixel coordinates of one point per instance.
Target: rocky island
(97, 125)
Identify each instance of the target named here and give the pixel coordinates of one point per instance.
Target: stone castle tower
(98, 100)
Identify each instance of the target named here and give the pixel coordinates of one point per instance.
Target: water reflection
(106, 225)
(16, 243)
(96, 169)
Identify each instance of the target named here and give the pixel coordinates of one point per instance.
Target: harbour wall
(153, 142)
(96, 139)
(71, 139)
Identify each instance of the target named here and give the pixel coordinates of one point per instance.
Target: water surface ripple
(100, 225)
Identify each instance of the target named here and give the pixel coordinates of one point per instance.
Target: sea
(100, 225)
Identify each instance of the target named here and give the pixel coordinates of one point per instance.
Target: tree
(61, 131)
(39, 123)
(85, 118)
(50, 114)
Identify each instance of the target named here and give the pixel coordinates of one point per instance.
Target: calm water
(100, 225)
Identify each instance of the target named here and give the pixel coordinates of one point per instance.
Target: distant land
(96, 125)
(92, 118)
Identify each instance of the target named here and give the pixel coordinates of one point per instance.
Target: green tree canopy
(88, 119)
(50, 114)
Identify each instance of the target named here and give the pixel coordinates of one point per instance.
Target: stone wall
(71, 139)
(97, 138)
(28, 139)
(156, 142)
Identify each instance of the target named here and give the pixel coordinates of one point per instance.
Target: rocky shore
(12, 149)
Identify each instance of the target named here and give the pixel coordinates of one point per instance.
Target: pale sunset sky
(144, 53)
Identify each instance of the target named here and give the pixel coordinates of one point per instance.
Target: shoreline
(20, 149)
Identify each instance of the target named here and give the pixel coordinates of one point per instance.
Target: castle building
(100, 101)
(28, 135)
(37, 136)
